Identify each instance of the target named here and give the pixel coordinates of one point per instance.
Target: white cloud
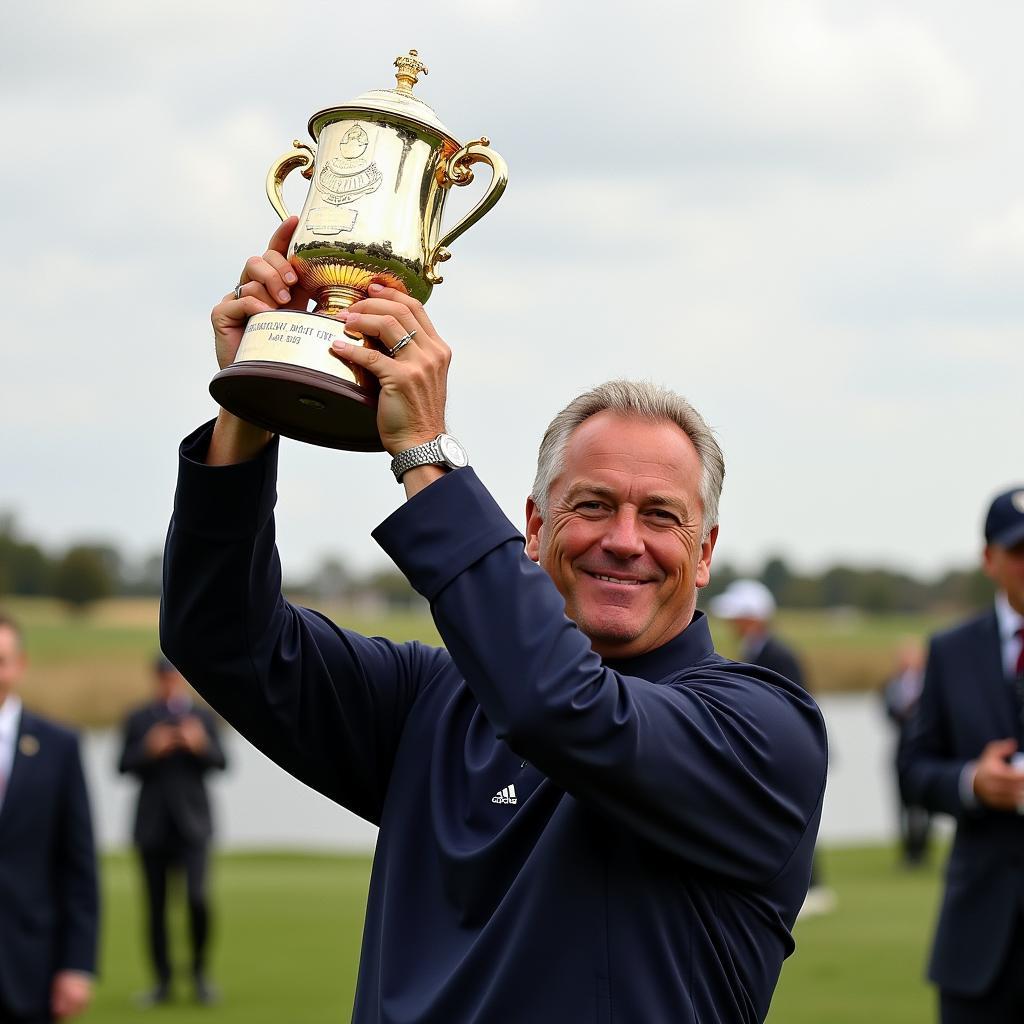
(805, 215)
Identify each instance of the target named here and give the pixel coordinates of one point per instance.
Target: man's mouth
(623, 581)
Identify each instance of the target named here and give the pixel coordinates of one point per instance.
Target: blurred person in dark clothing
(170, 744)
(49, 900)
(900, 696)
(749, 607)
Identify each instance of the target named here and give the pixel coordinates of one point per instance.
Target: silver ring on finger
(401, 343)
(238, 290)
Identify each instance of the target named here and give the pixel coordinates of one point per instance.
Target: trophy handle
(457, 170)
(300, 155)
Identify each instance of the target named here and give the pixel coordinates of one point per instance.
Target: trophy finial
(410, 67)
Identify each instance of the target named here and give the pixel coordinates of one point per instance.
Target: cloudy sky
(806, 216)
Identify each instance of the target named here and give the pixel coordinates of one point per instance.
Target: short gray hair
(642, 400)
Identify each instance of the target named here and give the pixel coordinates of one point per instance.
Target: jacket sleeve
(929, 770)
(715, 767)
(76, 882)
(324, 703)
(134, 758)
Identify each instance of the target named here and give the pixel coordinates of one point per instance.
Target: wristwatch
(444, 450)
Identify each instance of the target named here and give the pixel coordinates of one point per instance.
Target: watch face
(453, 452)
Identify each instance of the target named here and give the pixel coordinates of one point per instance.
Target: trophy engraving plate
(330, 220)
(351, 233)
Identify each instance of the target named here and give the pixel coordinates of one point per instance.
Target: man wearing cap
(960, 757)
(749, 607)
(170, 744)
(49, 899)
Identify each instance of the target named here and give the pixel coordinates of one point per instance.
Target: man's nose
(623, 538)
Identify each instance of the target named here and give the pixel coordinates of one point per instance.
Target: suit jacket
(775, 655)
(173, 803)
(49, 903)
(966, 702)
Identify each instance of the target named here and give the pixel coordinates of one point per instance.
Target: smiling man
(585, 813)
(617, 521)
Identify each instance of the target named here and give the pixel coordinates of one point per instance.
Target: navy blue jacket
(48, 890)
(966, 702)
(173, 804)
(561, 839)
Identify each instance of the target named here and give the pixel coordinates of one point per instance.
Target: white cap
(744, 599)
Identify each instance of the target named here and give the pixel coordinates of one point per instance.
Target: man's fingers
(378, 291)
(368, 358)
(252, 290)
(1000, 748)
(231, 311)
(282, 266)
(258, 269)
(387, 328)
(278, 247)
(282, 237)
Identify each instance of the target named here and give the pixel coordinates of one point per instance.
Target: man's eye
(663, 515)
(589, 506)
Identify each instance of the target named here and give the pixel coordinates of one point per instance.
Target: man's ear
(987, 566)
(707, 549)
(534, 522)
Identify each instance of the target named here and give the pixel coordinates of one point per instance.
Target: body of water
(257, 805)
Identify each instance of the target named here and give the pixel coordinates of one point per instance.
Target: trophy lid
(399, 101)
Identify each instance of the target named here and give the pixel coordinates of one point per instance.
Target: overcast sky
(808, 217)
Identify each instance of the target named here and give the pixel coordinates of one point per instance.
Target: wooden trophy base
(305, 404)
(285, 379)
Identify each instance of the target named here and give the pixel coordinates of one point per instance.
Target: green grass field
(288, 930)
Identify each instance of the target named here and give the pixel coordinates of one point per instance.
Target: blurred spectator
(749, 607)
(961, 756)
(49, 903)
(901, 695)
(170, 744)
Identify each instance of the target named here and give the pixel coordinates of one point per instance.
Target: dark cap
(162, 664)
(1004, 524)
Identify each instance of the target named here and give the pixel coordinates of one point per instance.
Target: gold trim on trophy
(380, 169)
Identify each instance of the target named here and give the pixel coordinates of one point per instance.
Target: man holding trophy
(585, 813)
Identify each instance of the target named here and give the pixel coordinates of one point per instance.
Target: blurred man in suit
(749, 607)
(960, 757)
(49, 903)
(170, 744)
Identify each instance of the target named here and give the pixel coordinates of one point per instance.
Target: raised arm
(722, 769)
(326, 704)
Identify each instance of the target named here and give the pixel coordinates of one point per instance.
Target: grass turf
(288, 930)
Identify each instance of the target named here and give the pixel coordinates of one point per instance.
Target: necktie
(1020, 653)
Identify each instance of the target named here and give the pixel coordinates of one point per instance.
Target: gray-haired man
(585, 813)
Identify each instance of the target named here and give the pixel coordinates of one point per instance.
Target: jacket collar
(693, 644)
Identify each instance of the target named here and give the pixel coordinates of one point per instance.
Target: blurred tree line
(89, 571)
(869, 589)
(86, 572)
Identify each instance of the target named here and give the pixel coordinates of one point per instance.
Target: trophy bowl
(380, 169)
